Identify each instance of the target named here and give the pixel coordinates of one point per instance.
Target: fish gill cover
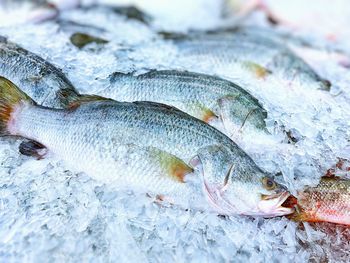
(51, 214)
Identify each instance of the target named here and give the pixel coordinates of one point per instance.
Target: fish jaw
(269, 206)
(272, 206)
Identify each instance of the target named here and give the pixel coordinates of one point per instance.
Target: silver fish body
(250, 58)
(38, 78)
(89, 138)
(205, 97)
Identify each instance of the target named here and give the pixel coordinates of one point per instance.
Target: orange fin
(208, 116)
(10, 97)
(172, 166)
(178, 170)
(258, 70)
(303, 216)
(203, 113)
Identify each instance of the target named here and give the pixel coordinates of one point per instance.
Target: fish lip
(270, 208)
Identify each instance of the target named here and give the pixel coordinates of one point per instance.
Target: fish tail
(11, 98)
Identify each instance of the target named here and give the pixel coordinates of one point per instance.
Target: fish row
(162, 128)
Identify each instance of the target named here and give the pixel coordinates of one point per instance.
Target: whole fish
(38, 78)
(329, 201)
(88, 137)
(248, 58)
(208, 98)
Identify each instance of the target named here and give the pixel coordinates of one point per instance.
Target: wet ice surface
(48, 213)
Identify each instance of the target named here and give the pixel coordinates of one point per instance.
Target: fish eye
(269, 183)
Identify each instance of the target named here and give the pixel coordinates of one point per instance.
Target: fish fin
(158, 105)
(172, 36)
(204, 113)
(302, 216)
(33, 148)
(119, 75)
(80, 40)
(208, 115)
(171, 165)
(10, 97)
(66, 96)
(258, 70)
(74, 101)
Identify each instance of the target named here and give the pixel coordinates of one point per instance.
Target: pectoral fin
(73, 100)
(303, 216)
(258, 70)
(203, 113)
(172, 166)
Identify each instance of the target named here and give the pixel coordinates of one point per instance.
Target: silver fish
(89, 136)
(38, 78)
(249, 58)
(216, 101)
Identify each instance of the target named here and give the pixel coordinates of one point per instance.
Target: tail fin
(10, 97)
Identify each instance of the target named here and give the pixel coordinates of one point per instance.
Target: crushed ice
(47, 213)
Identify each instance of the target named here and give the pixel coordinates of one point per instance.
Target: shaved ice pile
(49, 214)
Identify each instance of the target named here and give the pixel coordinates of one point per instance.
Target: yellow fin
(258, 70)
(203, 113)
(172, 166)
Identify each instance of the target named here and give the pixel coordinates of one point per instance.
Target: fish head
(239, 186)
(241, 112)
(256, 194)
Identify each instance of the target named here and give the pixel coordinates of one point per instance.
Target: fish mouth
(276, 205)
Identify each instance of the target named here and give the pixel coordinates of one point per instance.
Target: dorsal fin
(83, 99)
(117, 75)
(158, 106)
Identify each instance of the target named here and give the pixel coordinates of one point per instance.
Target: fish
(40, 79)
(329, 201)
(249, 59)
(211, 99)
(87, 137)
